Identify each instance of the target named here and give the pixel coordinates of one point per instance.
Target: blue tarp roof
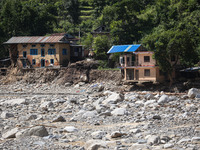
(123, 48)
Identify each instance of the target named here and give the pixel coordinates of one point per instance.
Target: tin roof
(123, 48)
(36, 39)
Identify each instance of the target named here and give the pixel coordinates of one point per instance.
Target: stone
(46, 104)
(192, 92)
(70, 129)
(10, 134)
(59, 119)
(135, 131)
(6, 115)
(117, 134)
(98, 134)
(163, 99)
(40, 131)
(16, 101)
(88, 114)
(149, 102)
(149, 96)
(197, 97)
(119, 112)
(168, 145)
(184, 140)
(59, 101)
(153, 140)
(32, 117)
(138, 147)
(196, 140)
(142, 141)
(130, 97)
(113, 99)
(156, 117)
(96, 144)
(106, 113)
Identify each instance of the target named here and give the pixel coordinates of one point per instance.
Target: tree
(73, 10)
(175, 34)
(101, 46)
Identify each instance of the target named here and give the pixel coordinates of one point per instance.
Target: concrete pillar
(125, 65)
(125, 73)
(125, 57)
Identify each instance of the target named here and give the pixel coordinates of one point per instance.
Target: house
(43, 51)
(137, 64)
(101, 30)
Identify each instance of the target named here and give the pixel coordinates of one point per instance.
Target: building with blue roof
(137, 63)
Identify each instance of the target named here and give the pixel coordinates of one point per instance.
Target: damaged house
(42, 51)
(137, 64)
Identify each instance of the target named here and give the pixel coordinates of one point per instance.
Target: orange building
(44, 51)
(137, 64)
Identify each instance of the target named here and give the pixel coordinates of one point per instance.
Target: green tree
(175, 33)
(73, 10)
(101, 46)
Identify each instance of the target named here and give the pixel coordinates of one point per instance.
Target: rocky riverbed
(97, 116)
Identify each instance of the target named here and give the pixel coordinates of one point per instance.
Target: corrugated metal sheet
(123, 48)
(35, 39)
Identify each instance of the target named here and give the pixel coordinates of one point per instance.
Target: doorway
(42, 52)
(42, 62)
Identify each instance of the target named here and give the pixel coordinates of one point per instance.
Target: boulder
(197, 97)
(149, 96)
(88, 114)
(117, 134)
(6, 115)
(193, 92)
(59, 119)
(168, 145)
(196, 140)
(119, 112)
(96, 144)
(10, 134)
(34, 131)
(138, 147)
(135, 131)
(149, 102)
(98, 134)
(70, 129)
(16, 101)
(46, 104)
(113, 99)
(153, 140)
(163, 99)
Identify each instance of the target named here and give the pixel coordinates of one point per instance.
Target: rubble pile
(87, 116)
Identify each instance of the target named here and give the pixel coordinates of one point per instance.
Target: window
(42, 45)
(52, 61)
(51, 51)
(33, 51)
(64, 51)
(122, 60)
(33, 62)
(24, 45)
(146, 72)
(146, 58)
(52, 45)
(33, 45)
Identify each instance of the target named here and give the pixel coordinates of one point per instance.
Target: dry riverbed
(96, 116)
